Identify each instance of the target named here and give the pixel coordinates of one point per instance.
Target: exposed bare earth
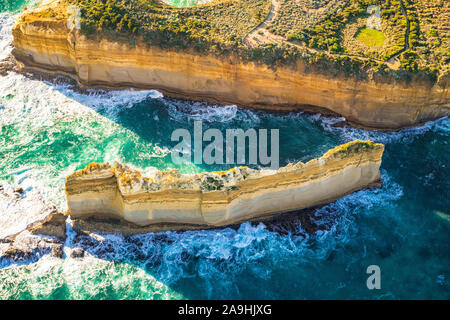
(260, 35)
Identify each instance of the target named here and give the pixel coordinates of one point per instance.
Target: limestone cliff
(54, 46)
(221, 198)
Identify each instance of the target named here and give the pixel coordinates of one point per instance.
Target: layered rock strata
(214, 199)
(55, 46)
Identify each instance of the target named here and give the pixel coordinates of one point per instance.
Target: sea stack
(214, 199)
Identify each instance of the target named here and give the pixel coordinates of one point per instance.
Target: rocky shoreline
(48, 46)
(231, 198)
(30, 228)
(49, 238)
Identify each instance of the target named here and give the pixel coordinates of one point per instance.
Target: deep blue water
(49, 130)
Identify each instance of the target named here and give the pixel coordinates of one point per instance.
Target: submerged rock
(18, 190)
(54, 227)
(6, 65)
(20, 211)
(29, 247)
(443, 215)
(29, 227)
(77, 253)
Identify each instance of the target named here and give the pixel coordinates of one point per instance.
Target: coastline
(49, 47)
(60, 77)
(51, 128)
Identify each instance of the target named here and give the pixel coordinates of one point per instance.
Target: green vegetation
(323, 28)
(298, 18)
(355, 146)
(329, 35)
(396, 24)
(325, 25)
(216, 26)
(371, 37)
(429, 38)
(184, 3)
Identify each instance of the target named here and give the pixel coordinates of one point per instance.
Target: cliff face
(48, 45)
(221, 198)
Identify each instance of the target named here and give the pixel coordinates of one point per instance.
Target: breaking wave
(48, 130)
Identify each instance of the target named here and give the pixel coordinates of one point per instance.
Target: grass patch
(220, 27)
(371, 37)
(184, 3)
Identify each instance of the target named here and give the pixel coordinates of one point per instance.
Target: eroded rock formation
(220, 198)
(53, 46)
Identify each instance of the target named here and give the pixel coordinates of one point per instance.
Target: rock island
(214, 199)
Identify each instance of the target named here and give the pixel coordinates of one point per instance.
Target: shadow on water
(182, 260)
(394, 226)
(402, 227)
(253, 261)
(153, 119)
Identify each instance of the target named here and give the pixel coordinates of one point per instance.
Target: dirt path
(260, 35)
(407, 25)
(395, 59)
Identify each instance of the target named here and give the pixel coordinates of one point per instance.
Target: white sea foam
(111, 101)
(6, 23)
(87, 278)
(404, 135)
(70, 237)
(34, 107)
(220, 255)
(25, 109)
(31, 115)
(184, 111)
(144, 266)
(39, 110)
(20, 210)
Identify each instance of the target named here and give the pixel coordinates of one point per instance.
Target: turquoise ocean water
(49, 130)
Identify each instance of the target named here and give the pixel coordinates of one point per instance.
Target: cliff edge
(196, 53)
(216, 199)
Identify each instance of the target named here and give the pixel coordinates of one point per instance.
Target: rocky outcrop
(51, 45)
(21, 210)
(29, 227)
(170, 200)
(27, 247)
